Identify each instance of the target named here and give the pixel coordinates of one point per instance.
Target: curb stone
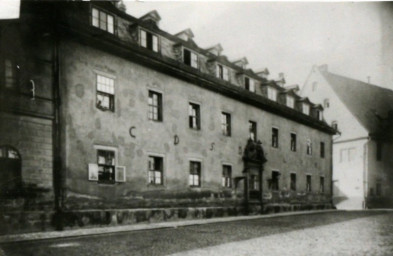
(140, 227)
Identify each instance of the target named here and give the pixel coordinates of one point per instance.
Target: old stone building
(106, 118)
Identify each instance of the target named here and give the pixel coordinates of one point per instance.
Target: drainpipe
(331, 171)
(365, 173)
(57, 171)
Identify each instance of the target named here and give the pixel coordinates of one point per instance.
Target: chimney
(263, 73)
(281, 79)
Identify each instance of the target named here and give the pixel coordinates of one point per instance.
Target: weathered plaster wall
(380, 172)
(349, 174)
(86, 126)
(32, 137)
(348, 125)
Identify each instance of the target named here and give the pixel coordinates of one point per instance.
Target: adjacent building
(102, 111)
(363, 114)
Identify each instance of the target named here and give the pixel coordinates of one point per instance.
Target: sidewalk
(138, 227)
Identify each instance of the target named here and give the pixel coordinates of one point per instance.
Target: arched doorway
(10, 171)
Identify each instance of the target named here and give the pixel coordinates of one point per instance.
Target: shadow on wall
(338, 195)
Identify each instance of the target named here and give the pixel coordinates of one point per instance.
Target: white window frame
(290, 101)
(96, 20)
(251, 85)
(225, 72)
(324, 181)
(143, 40)
(307, 188)
(162, 156)
(306, 108)
(189, 173)
(271, 93)
(194, 58)
(120, 171)
(223, 180)
(309, 145)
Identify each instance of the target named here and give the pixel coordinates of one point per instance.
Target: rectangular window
(308, 183)
(321, 184)
(249, 84)
(105, 93)
(293, 142)
(10, 74)
(319, 115)
(379, 151)
(156, 168)
(102, 20)
(149, 41)
(306, 109)
(274, 137)
(347, 155)
(293, 181)
(322, 150)
(195, 174)
(190, 58)
(106, 166)
(226, 124)
(155, 106)
(309, 147)
(335, 125)
(271, 94)
(252, 126)
(274, 182)
(254, 182)
(290, 101)
(222, 72)
(194, 116)
(227, 176)
(326, 103)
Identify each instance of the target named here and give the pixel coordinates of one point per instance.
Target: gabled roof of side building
(369, 103)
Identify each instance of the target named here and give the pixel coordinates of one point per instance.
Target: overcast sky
(285, 37)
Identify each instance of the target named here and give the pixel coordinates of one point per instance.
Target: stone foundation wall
(35, 221)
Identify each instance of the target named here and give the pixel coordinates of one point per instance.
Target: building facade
(362, 112)
(133, 117)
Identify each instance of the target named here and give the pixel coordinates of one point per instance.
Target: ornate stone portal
(254, 160)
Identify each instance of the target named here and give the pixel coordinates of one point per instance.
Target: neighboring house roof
(369, 103)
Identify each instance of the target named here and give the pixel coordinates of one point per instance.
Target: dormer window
(222, 72)
(103, 20)
(306, 109)
(335, 125)
(326, 103)
(272, 94)
(190, 58)
(149, 40)
(249, 84)
(290, 102)
(319, 114)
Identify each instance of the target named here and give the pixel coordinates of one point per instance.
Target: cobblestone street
(334, 233)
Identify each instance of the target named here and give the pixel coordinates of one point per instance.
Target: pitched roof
(368, 103)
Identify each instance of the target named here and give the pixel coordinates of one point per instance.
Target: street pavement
(329, 233)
